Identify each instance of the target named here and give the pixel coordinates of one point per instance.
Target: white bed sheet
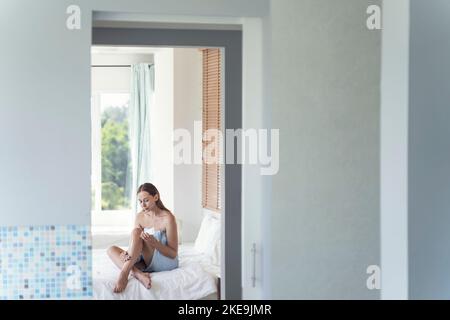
(195, 279)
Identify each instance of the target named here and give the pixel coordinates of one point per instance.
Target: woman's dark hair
(151, 189)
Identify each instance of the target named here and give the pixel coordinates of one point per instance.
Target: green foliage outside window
(115, 158)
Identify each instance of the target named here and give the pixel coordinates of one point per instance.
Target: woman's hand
(124, 256)
(151, 240)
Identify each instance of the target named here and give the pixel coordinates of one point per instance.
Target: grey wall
(216, 8)
(326, 100)
(429, 150)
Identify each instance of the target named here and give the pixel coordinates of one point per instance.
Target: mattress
(196, 278)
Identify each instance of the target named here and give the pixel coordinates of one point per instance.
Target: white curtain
(141, 99)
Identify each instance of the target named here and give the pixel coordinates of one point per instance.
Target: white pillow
(208, 238)
(215, 255)
(201, 242)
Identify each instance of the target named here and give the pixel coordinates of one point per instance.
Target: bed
(196, 278)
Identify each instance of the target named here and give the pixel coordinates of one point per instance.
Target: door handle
(254, 265)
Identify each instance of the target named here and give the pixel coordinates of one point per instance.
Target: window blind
(211, 115)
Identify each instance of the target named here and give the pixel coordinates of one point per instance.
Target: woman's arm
(137, 221)
(171, 250)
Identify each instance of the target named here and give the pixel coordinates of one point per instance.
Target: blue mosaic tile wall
(45, 262)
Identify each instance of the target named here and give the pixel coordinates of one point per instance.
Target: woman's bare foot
(121, 282)
(144, 278)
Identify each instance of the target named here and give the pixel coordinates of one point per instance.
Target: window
(211, 175)
(111, 170)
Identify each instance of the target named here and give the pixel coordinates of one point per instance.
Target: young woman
(153, 244)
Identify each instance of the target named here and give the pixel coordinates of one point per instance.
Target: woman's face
(146, 200)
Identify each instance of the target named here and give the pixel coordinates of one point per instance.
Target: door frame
(231, 42)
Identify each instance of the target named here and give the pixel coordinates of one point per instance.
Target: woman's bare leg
(116, 254)
(127, 265)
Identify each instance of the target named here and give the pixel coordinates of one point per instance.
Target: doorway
(230, 42)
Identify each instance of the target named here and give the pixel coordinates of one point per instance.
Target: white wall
(254, 203)
(187, 109)
(161, 124)
(114, 79)
(45, 116)
(394, 150)
(325, 228)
